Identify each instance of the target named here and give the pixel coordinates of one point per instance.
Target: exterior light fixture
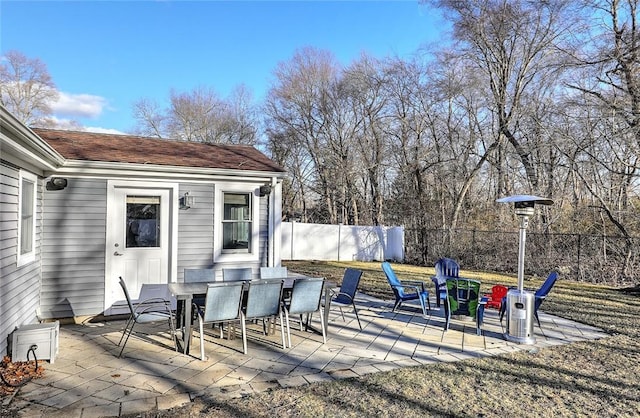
(56, 183)
(265, 190)
(520, 303)
(187, 201)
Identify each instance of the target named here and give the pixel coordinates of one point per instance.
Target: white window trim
(218, 254)
(30, 257)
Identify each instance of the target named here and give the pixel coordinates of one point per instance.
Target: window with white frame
(237, 220)
(27, 218)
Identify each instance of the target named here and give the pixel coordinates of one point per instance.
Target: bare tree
(365, 80)
(411, 156)
(26, 88)
(515, 45)
(606, 107)
(151, 119)
(466, 139)
(297, 107)
(615, 67)
(243, 121)
(200, 115)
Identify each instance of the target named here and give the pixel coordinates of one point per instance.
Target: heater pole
(524, 222)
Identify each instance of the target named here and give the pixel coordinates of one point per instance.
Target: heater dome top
(519, 198)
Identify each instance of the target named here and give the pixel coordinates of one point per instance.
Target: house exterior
(81, 209)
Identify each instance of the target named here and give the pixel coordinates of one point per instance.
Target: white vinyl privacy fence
(302, 241)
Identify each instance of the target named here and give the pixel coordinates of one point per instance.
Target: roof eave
(83, 168)
(22, 140)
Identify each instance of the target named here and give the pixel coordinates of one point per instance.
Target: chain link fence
(586, 258)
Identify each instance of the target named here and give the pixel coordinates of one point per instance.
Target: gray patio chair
(196, 275)
(264, 301)
(273, 272)
(306, 297)
(235, 274)
(223, 304)
(276, 273)
(347, 293)
(152, 291)
(146, 312)
(199, 276)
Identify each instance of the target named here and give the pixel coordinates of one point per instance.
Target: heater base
(520, 316)
(520, 340)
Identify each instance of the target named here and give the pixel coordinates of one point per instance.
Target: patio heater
(520, 303)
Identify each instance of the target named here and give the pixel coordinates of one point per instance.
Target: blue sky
(104, 55)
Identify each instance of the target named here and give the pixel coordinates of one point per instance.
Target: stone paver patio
(87, 378)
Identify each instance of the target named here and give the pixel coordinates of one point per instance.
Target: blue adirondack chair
(407, 289)
(542, 293)
(446, 268)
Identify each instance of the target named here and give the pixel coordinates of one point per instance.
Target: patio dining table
(185, 293)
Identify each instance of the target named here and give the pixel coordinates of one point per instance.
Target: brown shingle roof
(89, 146)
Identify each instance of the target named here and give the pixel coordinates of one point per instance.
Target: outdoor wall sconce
(56, 183)
(265, 190)
(187, 201)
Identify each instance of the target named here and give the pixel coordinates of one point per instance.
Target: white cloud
(65, 124)
(72, 125)
(79, 105)
(99, 130)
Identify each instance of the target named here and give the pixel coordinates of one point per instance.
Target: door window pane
(143, 221)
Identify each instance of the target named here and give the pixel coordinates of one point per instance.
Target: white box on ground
(44, 336)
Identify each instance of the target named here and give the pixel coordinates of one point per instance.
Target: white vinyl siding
(19, 285)
(195, 228)
(73, 249)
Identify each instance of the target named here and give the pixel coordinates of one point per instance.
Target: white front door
(139, 237)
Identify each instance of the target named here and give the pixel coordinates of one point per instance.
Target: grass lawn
(595, 378)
